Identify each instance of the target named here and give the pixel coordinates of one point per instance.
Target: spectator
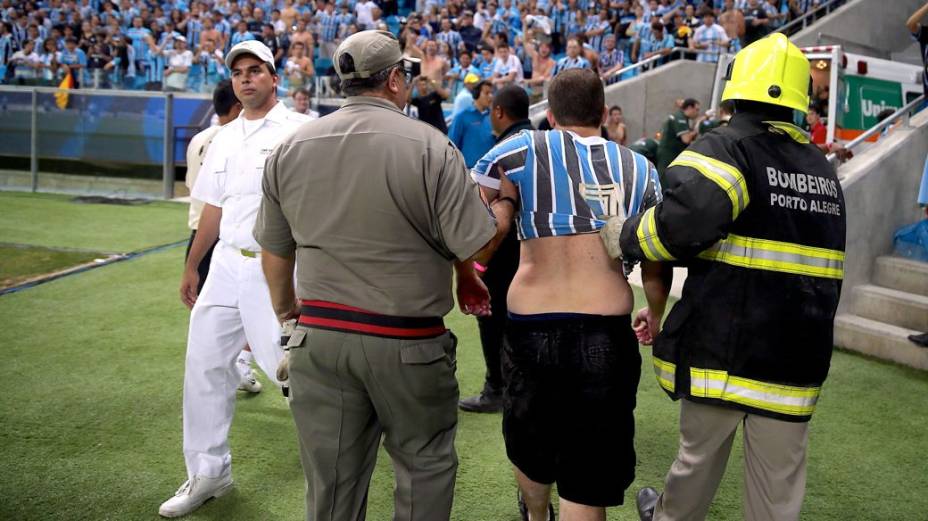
(470, 130)
(98, 62)
(48, 59)
(709, 36)
(732, 20)
(179, 61)
(449, 36)
(679, 130)
(270, 39)
(615, 125)
(27, 64)
(542, 67)
(657, 43)
(573, 60)
(507, 69)
(299, 69)
(433, 65)
(6, 49)
(484, 62)
(427, 97)
(242, 34)
(302, 103)
(210, 59)
(459, 72)
(611, 60)
(365, 12)
(756, 22)
(469, 33)
(73, 60)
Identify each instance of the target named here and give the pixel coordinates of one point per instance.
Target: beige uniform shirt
(196, 151)
(376, 206)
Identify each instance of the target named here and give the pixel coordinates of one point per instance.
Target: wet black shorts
(569, 401)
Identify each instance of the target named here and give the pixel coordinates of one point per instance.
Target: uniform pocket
(429, 365)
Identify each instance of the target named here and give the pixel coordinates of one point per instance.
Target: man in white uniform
(227, 108)
(234, 307)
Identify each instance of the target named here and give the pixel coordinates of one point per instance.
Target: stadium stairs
(885, 298)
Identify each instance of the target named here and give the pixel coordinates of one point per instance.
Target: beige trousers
(774, 464)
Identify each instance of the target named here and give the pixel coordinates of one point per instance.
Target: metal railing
(542, 105)
(168, 131)
(810, 18)
(903, 114)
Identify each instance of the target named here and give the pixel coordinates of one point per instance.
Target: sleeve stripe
(486, 181)
(727, 177)
(648, 240)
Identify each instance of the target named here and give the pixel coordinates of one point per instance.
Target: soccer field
(91, 402)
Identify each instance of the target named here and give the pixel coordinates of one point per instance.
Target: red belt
(321, 314)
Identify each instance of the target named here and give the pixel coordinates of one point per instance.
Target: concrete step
(880, 340)
(902, 274)
(891, 306)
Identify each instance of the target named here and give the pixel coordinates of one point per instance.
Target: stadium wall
(648, 99)
(877, 27)
(880, 189)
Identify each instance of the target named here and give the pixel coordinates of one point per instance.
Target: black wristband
(510, 199)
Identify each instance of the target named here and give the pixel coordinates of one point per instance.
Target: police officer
(376, 207)
(758, 214)
(234, 307)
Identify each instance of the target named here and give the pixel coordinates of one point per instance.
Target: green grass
(54, 221)
(20, 263)
(91, 420)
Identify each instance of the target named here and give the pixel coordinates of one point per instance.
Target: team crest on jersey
(610, 197)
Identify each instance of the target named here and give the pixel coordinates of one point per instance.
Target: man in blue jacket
(471, 130)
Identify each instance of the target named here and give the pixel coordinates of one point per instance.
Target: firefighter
(757, 214)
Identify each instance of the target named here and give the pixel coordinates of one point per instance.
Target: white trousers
(233, 309)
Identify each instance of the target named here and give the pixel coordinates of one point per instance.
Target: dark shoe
(646, 500)
(523, 510)
(483, 402)
(919, 340)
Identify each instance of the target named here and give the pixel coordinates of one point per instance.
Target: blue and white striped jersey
(569, 184)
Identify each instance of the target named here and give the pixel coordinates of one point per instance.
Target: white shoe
(193, 493)
(249, 382)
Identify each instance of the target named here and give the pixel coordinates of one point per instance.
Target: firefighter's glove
(610, 234)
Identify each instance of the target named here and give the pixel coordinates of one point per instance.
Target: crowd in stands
(178, 45)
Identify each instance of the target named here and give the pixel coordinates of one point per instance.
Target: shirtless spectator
(542, 67)
(732, 20)
(615, 125)
(571, 364)
(302, 35)
(433, 65)
(289, 14)
(211, 34)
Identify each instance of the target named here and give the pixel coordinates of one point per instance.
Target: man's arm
(207, 233)
(913, 22)
(656, 279)
(278, 270)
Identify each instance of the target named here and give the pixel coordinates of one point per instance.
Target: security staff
(758, 215)
(375, 207)
(509, 116)
(234, 307)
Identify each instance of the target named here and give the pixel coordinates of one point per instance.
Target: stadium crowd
(178, 45)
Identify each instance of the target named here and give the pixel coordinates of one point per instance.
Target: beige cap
(254, 48)
(366, 53)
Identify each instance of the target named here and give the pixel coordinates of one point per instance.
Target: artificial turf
(91, 416)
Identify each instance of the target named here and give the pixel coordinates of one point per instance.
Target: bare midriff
(569, 274)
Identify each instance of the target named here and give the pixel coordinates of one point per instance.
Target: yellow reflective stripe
(783, 399)
(648, 240)
(785, 257)
(665, 372)
(791, 130)
(726, 176)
